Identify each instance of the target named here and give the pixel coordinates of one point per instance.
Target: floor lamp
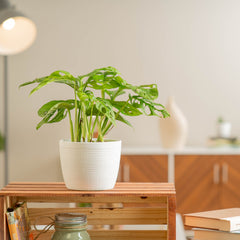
(17, 33)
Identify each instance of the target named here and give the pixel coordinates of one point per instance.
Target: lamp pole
(5, 77)
(15, 36)
(4, 4)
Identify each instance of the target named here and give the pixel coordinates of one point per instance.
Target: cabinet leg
(4, 234)
(171, 218)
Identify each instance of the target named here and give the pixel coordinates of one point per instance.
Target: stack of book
(223, 142)
(223, 224)
(18, 222)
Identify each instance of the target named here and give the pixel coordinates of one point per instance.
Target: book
(223, 219)
(13, 225)
(223, 142)
(18, 222)
(203, 234)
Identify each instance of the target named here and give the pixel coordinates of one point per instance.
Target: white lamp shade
(19, 37)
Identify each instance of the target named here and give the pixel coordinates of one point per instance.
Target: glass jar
(70, 226)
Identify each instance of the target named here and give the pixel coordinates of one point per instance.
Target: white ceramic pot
(224, 129)
(90, 165)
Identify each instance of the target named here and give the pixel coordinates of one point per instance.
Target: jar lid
(70, 218)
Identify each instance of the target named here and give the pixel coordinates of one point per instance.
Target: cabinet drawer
(197, 181)
(207, 182)
(143, 168)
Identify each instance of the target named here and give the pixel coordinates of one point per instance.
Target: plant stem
(110, 124)
(76, 116)
(107, 128)
(104, 123)
(79, 125)
(89, 125)
(94, 125)
(100, 137)
(116, 94)
(71, 125)
(103, 94)
(80, 130)
(84, 122)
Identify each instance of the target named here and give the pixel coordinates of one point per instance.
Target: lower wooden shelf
(126, 204)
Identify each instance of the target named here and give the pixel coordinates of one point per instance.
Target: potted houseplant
(90, 163)
(223, 128)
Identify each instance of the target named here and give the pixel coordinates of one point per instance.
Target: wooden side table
(142, 204)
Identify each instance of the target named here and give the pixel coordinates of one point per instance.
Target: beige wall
(191, 49)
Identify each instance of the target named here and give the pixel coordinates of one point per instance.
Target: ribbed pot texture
(90, 165)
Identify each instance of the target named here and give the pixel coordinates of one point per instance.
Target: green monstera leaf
(100, 99)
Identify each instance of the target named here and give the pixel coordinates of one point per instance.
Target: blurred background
(189, 48)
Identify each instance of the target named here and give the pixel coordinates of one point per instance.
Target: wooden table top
(59, 189)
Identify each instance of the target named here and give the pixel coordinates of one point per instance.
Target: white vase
(173, 130)
(90, 165)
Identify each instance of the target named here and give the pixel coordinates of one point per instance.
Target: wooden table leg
(4, 234)
(2, 217)
(171, 218)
